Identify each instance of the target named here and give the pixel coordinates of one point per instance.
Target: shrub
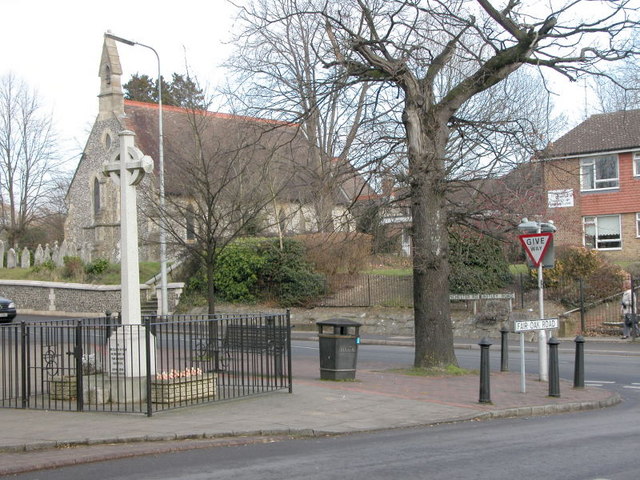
(236, 274)
(255, 269)
(97, 267)
(600, 278)
(73, 268)
(46, 266)
(478, 263)
(287, 276)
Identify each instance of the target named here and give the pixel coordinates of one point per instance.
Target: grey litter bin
(338, 348)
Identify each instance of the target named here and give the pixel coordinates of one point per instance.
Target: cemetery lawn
(111, 276)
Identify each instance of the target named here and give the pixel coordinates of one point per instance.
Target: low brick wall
(57, 298)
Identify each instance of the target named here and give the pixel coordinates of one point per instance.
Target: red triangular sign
(536, 244)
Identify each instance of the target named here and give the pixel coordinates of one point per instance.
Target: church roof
(278, 145)
(605, 132)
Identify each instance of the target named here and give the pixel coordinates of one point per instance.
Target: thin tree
(619, 89)
(279, 73)
(28, 157)
(223, 174)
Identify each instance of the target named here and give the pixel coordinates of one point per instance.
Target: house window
(637, 224)
(602, 232)
(599, 172)
(636, 164)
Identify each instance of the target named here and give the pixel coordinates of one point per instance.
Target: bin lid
(339, 322)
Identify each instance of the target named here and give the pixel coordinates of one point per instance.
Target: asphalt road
(601, 444)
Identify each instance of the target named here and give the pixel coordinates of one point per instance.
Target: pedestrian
(628, 309)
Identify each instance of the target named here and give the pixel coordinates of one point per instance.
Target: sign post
(521, 326)
(536, 240)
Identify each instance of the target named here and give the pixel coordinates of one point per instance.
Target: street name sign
(482, 296)
(528, 325)
(536, 244)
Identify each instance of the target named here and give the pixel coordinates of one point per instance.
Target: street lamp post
(528, 226)
(164, 304)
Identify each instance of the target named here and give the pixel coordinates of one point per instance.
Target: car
(7, 310)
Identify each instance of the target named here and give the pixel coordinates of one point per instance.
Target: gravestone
(11, 258)
(57, 259)
(38, 258)
(25, 258)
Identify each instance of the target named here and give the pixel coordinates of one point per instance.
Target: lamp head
(108, 34)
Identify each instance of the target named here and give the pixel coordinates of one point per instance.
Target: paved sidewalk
(379, 399)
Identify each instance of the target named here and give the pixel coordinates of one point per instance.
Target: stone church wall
(100, 230)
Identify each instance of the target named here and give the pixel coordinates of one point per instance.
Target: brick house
(592, 185)
(92, 227)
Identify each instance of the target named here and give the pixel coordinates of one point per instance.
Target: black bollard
(504, 353)
(485, 387)
(578, 372)
(554, 370)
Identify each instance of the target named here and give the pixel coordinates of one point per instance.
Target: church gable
(257, 147)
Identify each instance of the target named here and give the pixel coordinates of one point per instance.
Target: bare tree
(411, 45)
(619, 89)
(28, 161)
(439, 101)
(279, 73)
(438, 57)
(224, 172)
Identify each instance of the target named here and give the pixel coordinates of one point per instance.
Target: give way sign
(536, 244)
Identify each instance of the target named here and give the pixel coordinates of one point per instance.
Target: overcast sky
(55, 47)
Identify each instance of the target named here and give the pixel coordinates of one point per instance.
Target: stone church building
(249, 156)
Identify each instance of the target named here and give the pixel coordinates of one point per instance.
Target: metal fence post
(504, 349)
(23, 364)
(554, 372)
(582, 319)
(147, 344)
(78, 353)
(485, 387)
(289, 370)
(578, 372)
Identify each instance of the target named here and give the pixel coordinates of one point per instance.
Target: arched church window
(96, 196)
(107, 74)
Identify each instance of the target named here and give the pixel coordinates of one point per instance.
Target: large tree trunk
(433, 332)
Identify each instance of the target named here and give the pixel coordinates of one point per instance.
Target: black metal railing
(597, 305)
(165, 363)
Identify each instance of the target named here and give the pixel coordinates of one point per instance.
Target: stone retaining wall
(57, 298)
(389, 321)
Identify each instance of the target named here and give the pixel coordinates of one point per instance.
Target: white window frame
(636, 164)
(637, 224)
(589, 163)
(593, 220)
